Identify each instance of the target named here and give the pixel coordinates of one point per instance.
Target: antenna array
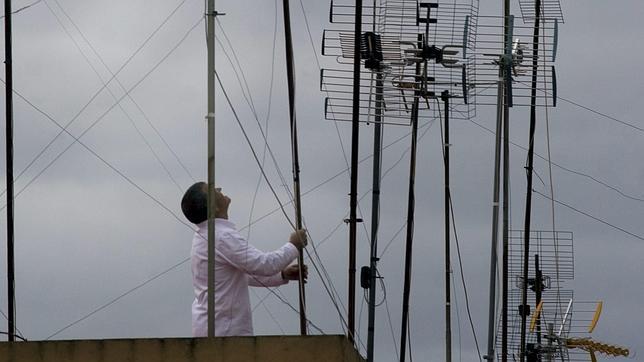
(490, 48)
(549, 9)
(551, 264)
(403, 33)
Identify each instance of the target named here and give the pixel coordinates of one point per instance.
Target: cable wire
(458, 246)
(567, 169)
(273, 190)
(116, 299)
(136, 104)
(101, 117)
(23, 8)
(590, 216)
(120, 106)
(95, 95)
(20, 334)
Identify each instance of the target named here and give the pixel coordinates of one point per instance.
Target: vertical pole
(353, 202)
(210, 19)
(495, 221)
(506, 220)
(538, 289)
(375, 216)
(448, 267)
(528, 197)
(506, 170)
(290, 71)
(411, 203)
(9, 154)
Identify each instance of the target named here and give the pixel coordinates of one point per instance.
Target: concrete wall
(231, 349)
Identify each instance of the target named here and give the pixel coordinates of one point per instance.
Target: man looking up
(237, 265)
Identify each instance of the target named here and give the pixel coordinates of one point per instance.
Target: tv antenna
(410, 57)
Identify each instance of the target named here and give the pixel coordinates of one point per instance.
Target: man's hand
(292, 272)
(298, 238)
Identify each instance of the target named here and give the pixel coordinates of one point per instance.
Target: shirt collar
(219, 223)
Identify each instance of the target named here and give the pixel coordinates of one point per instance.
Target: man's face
(221, 203)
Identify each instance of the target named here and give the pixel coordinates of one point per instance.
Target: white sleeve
(251, 260)
(262, 281)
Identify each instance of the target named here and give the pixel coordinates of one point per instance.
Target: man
(237, 265)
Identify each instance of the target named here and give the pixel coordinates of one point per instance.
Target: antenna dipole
(9, 156)
(295, 156)
(210, 21)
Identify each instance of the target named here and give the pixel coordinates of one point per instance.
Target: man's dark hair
(194, 203)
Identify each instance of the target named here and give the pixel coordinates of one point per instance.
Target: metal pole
(411, 202)
(210, 15)
(295, 155)
(506, 171)
(538, 290)
(375, 216)
(495, 221)
(448, 267)
(353, 202)
(528, 197)
(375, 207)
(506, 219)
(9, 154)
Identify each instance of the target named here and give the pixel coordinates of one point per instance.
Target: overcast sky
(85, 235)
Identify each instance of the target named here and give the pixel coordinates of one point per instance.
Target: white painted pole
(210, 21)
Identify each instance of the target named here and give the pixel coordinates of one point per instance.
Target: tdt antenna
(503, 57)
(412, 61)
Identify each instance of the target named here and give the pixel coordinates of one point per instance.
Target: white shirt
(237, 265)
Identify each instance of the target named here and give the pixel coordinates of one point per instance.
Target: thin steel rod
(353, 202)
(375, 217)
(495, 221)
(290, 71)
(211, 166)
(448, 267)
(528, 197)
(411, 203)
(11, 297)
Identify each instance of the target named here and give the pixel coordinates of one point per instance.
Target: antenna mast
(507, 103)
(375, 204)
(295, 155)
(11, 299)
(210, 21)
(353, 202)
(528, 201)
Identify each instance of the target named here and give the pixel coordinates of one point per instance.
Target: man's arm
(264, 281)
(292, 272)
(253, 261)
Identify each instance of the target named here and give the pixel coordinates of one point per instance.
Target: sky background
(85, 235)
